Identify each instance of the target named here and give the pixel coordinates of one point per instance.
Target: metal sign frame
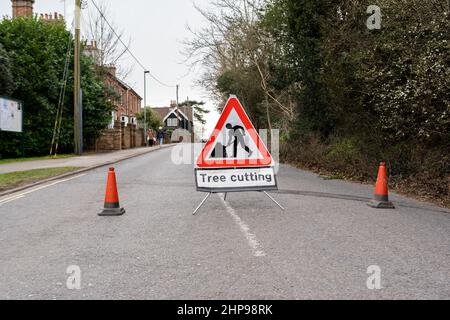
(233, 103)
(21, 105)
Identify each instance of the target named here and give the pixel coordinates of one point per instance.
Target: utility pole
(78, 121)
(145, 107)
(64, 9)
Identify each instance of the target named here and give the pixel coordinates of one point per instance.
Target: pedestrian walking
(160, 136)
(151, 137)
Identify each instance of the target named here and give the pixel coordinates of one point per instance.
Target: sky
(157, 29)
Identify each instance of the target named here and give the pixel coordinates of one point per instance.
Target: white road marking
(21, 195)
(251, 238)
(4, 201)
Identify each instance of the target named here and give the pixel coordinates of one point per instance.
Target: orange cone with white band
(381, 197)
(112, 206)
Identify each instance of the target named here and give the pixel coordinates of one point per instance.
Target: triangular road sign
(234, 142)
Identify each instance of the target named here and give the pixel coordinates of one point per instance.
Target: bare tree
(106, 37)
(234, 40)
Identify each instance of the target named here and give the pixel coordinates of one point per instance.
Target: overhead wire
(127, 48)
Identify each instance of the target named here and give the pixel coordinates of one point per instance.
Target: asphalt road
(244, 248)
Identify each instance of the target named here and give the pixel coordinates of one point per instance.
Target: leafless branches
(234, 40)
(110, 50)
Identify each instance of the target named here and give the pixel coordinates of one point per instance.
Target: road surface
(244, 248)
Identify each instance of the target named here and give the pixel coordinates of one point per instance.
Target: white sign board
(10, 115)
(222, 180)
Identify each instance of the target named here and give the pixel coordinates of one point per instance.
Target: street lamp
(145, 107)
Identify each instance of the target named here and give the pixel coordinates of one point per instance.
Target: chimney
(22, 8)
(111, 69)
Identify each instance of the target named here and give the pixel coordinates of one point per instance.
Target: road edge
(77, 172)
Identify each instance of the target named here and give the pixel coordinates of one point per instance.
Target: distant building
(123, 97)
(176, 118)
(126, 100)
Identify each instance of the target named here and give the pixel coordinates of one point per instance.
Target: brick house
(122, 132)
(126, 100)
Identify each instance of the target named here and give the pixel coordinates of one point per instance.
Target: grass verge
(418, 172)
(21, 178)
(61, 156)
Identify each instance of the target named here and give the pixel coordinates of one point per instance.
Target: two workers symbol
(236, 137)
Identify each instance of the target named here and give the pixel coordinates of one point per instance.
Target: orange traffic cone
(381, 199)
(112, 206)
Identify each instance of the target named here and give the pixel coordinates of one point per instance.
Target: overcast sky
(157, 29)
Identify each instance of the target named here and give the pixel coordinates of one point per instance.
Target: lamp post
(145, 107)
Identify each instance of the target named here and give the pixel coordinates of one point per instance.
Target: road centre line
(251, 238)
(21, 195)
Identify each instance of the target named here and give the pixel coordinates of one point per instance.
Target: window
(113, 118)
(172, 122)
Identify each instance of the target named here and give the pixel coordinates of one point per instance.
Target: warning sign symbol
(234, 142)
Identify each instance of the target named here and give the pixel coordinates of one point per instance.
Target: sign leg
(201, 204)
(274, 201)
(225, 197)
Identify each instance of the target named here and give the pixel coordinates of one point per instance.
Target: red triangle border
(233, 103)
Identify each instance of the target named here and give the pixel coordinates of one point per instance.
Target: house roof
(165, 112)
(161, 112)
(187, 112)
(123, 84)
(178, 112)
